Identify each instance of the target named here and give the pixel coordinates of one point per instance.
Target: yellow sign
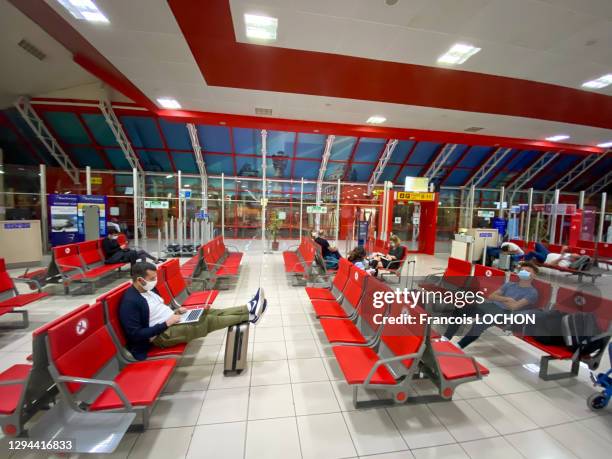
(414, 196)
(96, 180)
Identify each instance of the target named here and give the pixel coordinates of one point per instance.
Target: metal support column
(264, 201)
(602, 217)
(528, 221)
(337, 214)
(502, 198)
(581, 200)
(88, 179)
(301, 208)
(44, 218)
(135, 196)
(179, 220)
(471, 208)
(553, 219)
(222, 205)
(324, 159)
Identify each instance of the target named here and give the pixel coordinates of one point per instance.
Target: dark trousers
(476, 329)
(129, 256)
(540, 253)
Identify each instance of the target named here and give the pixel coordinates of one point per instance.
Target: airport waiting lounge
(235, 229)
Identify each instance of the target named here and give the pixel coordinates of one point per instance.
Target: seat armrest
(99, 382)
(27, 281)
(386, 361)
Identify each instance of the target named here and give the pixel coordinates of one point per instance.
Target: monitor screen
(416, 184)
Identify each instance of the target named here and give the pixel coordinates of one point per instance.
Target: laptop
(193, 315)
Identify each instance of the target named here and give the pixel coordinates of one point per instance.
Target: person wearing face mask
(392, 259)
(146, 319)
(511, 298)
(115, 253)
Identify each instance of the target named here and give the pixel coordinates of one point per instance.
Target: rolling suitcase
(236, 346)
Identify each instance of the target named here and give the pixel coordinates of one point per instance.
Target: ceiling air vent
(33, 50)
(263, 111)
(474, 129)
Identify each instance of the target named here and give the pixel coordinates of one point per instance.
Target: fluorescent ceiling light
(84, 10)
(558, 138)
(260, 27)
(605, 145)
(168, 103)
(187, 185)
(376, 120)
(169, 176)
(599, 83)
(458, 54)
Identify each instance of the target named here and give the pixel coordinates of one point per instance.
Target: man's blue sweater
(134, 319)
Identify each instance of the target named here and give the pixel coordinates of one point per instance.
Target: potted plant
(273, 228)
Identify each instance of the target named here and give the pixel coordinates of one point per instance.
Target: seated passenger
(145, 318)
(392, 259)
(358, 258)
(330, 254)
(115, 253)
(511, 298)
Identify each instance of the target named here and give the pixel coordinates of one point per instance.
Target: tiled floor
(291, 402)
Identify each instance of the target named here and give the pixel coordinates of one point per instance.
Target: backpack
(331, 262)
(578, 331)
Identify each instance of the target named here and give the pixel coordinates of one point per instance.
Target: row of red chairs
(83, 357)
(82, 263)
(299, 263)
(602, 251)
(462, 274)
(11, 299)
(556, 248)
(374, 355)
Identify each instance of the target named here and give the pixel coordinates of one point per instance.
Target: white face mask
(148, 285)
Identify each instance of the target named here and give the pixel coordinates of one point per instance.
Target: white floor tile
(218, 441)
(307, 370)
(220, 381)
(419, 426)
(602, 425)
(224, 405)
(273, 439)
(325, 436)
(202, 355)
(162, 443)
(373, 432)
(441, 452)
(344, 394)
(302, 349)
(504, 417)
(462, 421)
(314, 398)
(582, 441)
(274, 334)
(570, 402)
(481, 449)
(193, 378)
(537, 444)
(271, 402)
(178, 409)
(269, 351)
(539, 409)
(270, 372)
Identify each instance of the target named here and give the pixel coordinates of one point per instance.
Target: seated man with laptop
(145, 318)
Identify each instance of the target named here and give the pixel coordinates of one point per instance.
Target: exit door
(406, 223)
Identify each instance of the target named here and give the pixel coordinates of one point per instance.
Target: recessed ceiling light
(169, 176)
(84, 10)
(458, 54)
(187, 185)
(557, 138)
(605, 145)
(168, 103)
(376, 119)
(598, 83)
(260, 27)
